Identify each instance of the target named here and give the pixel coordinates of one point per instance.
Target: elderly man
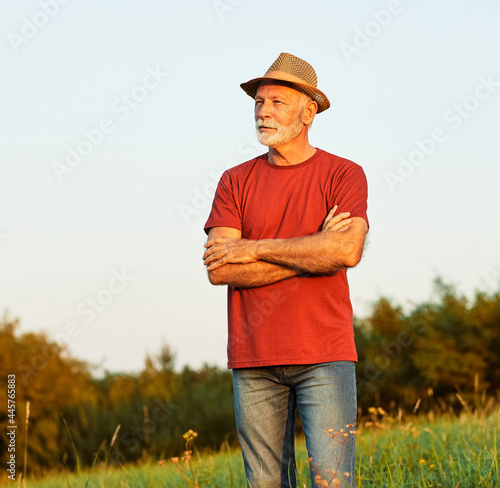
(283, 229)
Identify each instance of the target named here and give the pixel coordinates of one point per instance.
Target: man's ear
(310, 111)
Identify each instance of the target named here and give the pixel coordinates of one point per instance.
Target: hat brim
(251, 86)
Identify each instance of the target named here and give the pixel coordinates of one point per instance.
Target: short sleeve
(225, 211)
(350, 191)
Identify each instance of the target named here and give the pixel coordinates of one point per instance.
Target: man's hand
(339, 223)
(229, 250)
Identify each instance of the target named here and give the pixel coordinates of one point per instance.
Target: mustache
(267, 123)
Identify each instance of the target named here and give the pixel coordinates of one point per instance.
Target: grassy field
(445, 451)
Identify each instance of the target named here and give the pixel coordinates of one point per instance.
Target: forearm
(250, 275)
(321, 253)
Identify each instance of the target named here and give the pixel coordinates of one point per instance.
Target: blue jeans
(266, 400)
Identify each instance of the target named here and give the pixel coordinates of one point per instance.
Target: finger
(329, 217)
(211, 251)
(344, 225)
(215, 245)
(341, 216)
(208, 252)
(209, 261)
(336, 227)
(341, 224)
(337, 219)
(215, 265)
(215, 256)
(213, 241)
(332, 211)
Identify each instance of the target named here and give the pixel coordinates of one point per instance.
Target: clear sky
(118, 118)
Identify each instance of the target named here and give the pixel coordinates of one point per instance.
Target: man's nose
(263, 111)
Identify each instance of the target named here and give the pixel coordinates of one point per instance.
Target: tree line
(442, 354)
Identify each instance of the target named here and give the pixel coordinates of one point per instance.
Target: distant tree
(206, 404)
(382, 343)
(449, 354)
(51, 380)
(158, 378)
(438, 348)
(485, 313)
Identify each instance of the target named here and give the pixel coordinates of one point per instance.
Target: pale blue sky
(155, 84)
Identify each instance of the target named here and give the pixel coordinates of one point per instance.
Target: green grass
(448, 452)
(458, 452)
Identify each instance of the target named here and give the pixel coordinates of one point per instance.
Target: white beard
(283, 133)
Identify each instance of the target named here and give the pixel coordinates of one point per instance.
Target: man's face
(278, 114)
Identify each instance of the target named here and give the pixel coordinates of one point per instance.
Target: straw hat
(293, 70)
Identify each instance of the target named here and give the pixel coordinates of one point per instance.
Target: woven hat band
(281, 75)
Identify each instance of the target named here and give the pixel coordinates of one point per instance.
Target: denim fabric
(266, 400)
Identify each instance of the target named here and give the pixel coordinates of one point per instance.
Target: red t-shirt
(301, 320)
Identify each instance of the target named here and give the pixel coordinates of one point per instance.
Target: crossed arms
(232, 260)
